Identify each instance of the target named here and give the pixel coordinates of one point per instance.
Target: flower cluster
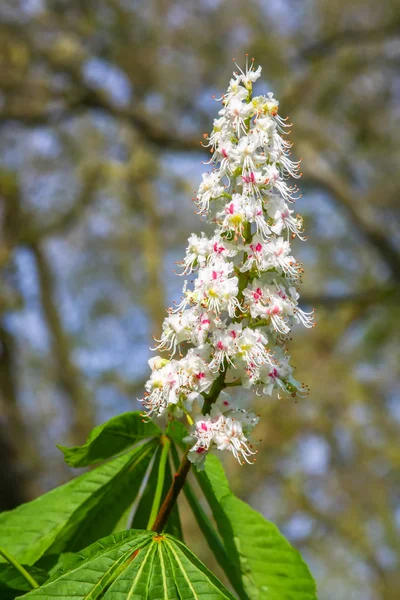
(232, 324)
(225, 428)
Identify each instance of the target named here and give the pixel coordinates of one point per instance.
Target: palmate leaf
(134, 565)
(75, 514)
(110, 438)
(270, 567)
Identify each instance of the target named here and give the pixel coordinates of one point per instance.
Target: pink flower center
(249, 178)
(218, 249)
(220, 345)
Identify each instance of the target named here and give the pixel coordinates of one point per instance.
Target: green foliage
(13, 584)
(77, 513)
(269, 565)
(134, 565)
(109, 439)
(52, 530)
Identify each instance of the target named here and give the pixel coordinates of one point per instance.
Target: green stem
(10, 559)
(244, 277)
(259, 323)
(166, 444)
(234, 383)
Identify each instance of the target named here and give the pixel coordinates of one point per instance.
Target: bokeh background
(102, 108)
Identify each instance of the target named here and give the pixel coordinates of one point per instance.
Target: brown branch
(176, 486)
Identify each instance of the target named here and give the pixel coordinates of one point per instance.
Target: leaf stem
(166, 444)
(10, 559)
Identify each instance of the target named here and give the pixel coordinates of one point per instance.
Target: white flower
(234, 215)
(215, 289)
(278, 256)
(176, 329)
(201, 438)
(231, 437)
(174, 387)
(233, 324)
(252, 348)
(209, 189)
(226, 428)
(237, 112)
(249, 154)
(250, 75)
(224, 343)
(282, 215)
(197, 252)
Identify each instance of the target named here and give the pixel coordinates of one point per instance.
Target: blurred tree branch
(349, 37)
(14, 453)
(68, 374)
(318, 173)
(21, 231)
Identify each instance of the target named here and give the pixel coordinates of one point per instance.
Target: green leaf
(13, 584)
(109, 439)
(134, 565)
(192, 578)
(77, 513)
(142, 512)
(176, 431)
(270, 567)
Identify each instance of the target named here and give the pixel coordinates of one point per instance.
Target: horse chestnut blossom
(233, 322)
